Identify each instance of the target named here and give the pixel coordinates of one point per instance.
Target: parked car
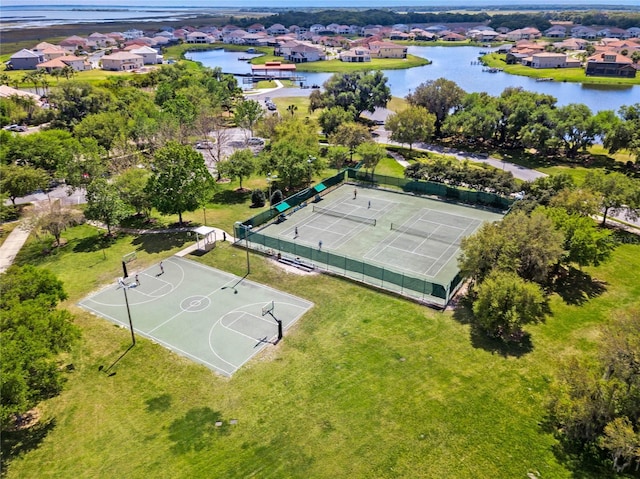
(271, 106)
(15, 128)
(203, 145)
(255, 141)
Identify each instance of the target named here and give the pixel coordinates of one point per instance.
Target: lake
(455, 63)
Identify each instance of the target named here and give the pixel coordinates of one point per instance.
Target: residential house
(612, 32)
(356, 55)
(332, 27)
(371, 30)
(482, 34)
(149, 55)
(423, 35)
(381, 49)
(580, 31)
(256, 28)
(198, 38)
(550, 60)
(316, 28)
(235, 37)
(42, 46)
(528, 33)
(122, 61)
(556, 31)
(610, 64)
(100, 40)
(132, 34)
(283, 49)
(25, 60)
(78, 64)
(572, 44)
(452, 37)
(400, 27)
(633, 32)
(398, 35)
(73, 43)
(355, 30)
(305, 53)
(277, 29)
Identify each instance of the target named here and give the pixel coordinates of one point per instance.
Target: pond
(458, 64)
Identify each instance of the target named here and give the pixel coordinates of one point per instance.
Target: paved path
(12, 245)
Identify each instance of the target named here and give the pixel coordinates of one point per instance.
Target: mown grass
(558, 74)
(365, 385)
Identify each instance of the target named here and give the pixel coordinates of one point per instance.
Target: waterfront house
(277, 29)
(304, 53)
(122, 61)
(550, 60)
(528, 33)
(610, 64)
(256, 28)
(198, 38)
(356, 55)
(556, 31)
(381, 49)
(25, 60)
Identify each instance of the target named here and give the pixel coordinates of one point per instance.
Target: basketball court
(210, 316)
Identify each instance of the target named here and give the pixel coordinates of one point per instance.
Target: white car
(204, 145)
(15, 128)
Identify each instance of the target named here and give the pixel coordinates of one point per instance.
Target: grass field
(365, 385)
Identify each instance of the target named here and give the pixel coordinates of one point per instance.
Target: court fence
(386, 278)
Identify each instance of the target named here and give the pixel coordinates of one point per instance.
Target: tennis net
(409, 231)
(346, 216)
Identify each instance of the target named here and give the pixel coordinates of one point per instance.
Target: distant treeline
(540, 20)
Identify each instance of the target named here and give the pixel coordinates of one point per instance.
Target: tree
(180, 181)
(616, 191)
(505, 302)
(54, 218)
(411, 125)
(522, 244)
(291, 109)
(257, 198)
(338, 156)
(575, 127)
(104, 203)
(240, 164)
(625, 134)
(595, 403)
(34, 333)
(85, 164)
(439, 97)
(584, 243)
(107, 128)
(75, 100)
(330, 119)
(356, 92)
(371, 153)
(17, 181)
(350, 135)
(132, 185)
(247, 114)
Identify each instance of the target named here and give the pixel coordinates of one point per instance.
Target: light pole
(309, 163)
(247, 229)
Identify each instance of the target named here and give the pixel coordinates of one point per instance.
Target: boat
(544, 79)
(492, 70)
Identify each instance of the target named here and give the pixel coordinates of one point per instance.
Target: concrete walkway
(12, 245)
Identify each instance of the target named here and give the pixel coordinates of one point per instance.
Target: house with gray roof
(25, 60)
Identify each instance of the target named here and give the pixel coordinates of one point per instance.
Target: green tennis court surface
(397, 241)
(207, 315)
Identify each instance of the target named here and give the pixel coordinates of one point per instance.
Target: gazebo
(208, 240)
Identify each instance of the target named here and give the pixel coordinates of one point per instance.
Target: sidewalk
(12, 245)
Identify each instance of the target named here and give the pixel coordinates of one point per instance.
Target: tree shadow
(21, 441)
(231, 197)
(479, 338)
(158, 242)
(577, 287)
(160, 403)
(197, 430)
(94, 243)
(583, 462)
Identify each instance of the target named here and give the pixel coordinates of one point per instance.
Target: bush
(257, 198)
(276, 197)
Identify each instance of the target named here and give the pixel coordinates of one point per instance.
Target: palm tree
(292, 109)
(32, 78)
(68, 72)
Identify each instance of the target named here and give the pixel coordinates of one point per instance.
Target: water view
(454, 63)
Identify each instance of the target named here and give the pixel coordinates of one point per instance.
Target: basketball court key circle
(193, 304)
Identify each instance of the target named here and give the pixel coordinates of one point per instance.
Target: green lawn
(558, 74)
(365, 385)
(384, 395)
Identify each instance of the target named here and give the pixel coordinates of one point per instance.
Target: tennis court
(212, 317)
(374, 235)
